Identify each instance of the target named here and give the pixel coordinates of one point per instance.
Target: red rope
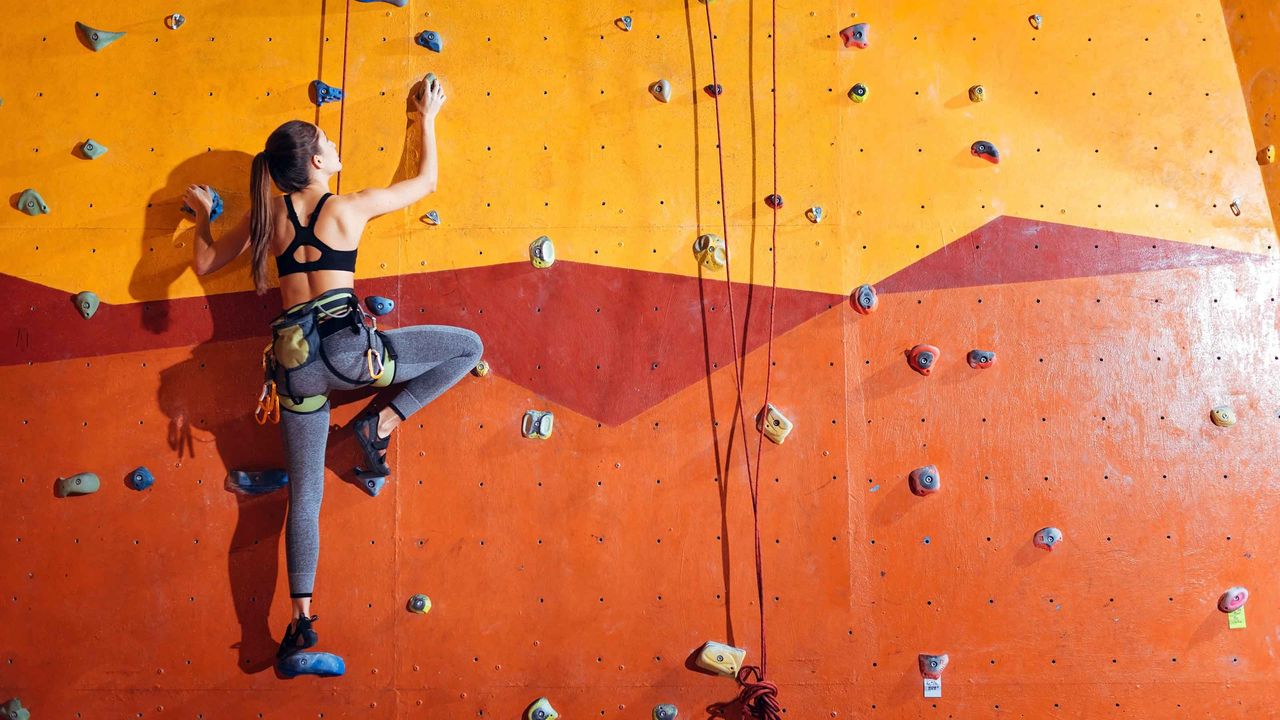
(758, 697)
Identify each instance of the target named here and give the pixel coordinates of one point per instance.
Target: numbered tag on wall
(1235, 618)
(933, 687)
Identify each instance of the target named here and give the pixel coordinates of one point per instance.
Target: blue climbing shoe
(298, 636)
(374, 447)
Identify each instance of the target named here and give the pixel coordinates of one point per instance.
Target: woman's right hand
(428, 99)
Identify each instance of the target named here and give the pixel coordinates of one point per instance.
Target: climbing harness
(297, 341)
(758, 697)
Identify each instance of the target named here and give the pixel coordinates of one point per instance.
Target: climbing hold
(774, 201)
(864, 300)
(379, 305)
(981, 359)
(31, 203)
(312, 663)
(623, 23)
(542, 253)
(710, 251)
(814, 214)
(858, 93)
(174, 21)
(81, 484)
(431, 218)
(1267, 155)
(98, 39)
(661, 90)
(420, 604)
(665, 711)
(13, 710)
(931, 667)
(481, 369)
(429, 39)
(256, 483)
(537, 424)
(1047, 538)
(141, 479)
(86, 302)
(397, 3)
(1035, 21)
(92, 149)
(1233, 599)
(977, 93)
(856, 35)
(322, 93)
(721, 659)
(773, 424)
(370, 481)
(541, 710)
(986, 151)
(922, 358)
(714, 90)
(214, 211)
(1223, 416)
(924, 481)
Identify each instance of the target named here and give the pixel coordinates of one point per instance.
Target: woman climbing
(323, 320)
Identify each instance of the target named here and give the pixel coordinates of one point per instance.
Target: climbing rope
(342, 110)
(758, 696)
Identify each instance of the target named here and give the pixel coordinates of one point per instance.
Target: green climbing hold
(87, 303)
(13, 710)
(81, 484)
(31, 203)
(98, 39)
(92, 149)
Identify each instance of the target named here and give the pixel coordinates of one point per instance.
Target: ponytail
(260, 220)
(284, 161)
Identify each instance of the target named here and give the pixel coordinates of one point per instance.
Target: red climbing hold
(922, 358)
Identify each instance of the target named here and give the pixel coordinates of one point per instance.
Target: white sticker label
(933, 687)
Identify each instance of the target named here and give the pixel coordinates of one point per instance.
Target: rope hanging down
(758, 696)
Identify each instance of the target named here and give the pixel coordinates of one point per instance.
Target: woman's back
(300, 281)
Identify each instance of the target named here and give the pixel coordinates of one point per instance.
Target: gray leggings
(429, 360)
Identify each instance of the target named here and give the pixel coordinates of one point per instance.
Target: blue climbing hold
(624, 23)
(31, 203)
(312, 663)
(429, 39)
(214, 212)
(322, 93)
(432, 217)
(379, 305)
(13, 710)
(97, 39)
(256, 483)
(141, 479)
(370, 482)
(92, 149)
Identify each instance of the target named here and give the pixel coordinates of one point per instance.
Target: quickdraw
(269, 400)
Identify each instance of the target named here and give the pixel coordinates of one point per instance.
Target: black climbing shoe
(298, 636)
(374, 447)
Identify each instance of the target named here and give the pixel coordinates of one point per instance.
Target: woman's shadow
(210, 396)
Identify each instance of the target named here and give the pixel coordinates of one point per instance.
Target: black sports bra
(330, 259)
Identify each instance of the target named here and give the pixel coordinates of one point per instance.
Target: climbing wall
(1119, 260)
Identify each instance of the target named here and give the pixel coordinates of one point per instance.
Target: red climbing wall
(1100, 260)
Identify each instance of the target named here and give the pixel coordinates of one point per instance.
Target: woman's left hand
(200, 199)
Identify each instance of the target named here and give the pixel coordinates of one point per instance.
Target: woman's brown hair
(285, 160)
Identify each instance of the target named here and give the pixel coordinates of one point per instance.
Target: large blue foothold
(429, 39)
(141, 479)
(13, 710)
(312, 663)
(379, 305)
(322, 93)
(214, 212)
(97, 39)
(370, 482)
(256, 483)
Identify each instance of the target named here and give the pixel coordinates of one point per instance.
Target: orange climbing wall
(1099, 259)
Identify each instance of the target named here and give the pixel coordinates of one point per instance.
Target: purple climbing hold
(397, 3)
(924, 481)
(774, 201)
